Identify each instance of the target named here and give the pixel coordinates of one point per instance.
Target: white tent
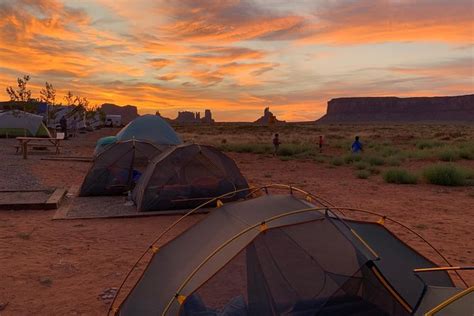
(18, 123)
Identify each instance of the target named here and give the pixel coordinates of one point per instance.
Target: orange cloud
(378, 21)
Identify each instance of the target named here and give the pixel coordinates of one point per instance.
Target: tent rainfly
(280, 255)
(18, 123)
(186, 176)
(116, 169)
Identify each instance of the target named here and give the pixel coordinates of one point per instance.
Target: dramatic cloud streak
(237, 57)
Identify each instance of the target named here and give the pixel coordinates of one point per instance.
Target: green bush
(373, 170)
(337, 161)
(360, 165)
(466, 152)
(449, 155)
(447, 174)
(399, 176)
(375, 160)
(363, 174)
(350, 158)
(393, 162)
(428, 144)
(296, 150)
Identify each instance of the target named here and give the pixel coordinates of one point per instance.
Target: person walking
(357, 147)
(63, 124)
(321, 143)
(74, 126)
(276, 144)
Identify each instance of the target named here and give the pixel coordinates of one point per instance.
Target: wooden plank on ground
(31, 199)
(55, 199)
(77, 159)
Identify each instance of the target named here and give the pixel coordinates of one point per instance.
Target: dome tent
(150, 128)
(115, 170)
(281, 255)
(18, 123)
(103, 143)
(186, 176)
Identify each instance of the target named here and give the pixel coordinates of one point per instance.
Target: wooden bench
(35, 146)
(35, 142)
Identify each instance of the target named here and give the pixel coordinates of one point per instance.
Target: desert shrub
(447, 174)
(254, 148)
(373, 170)
(466, 151)
(428, 144)
(375, 160)
(319, 159)
(296, 150)
(337, 161)
(399, 176)
(393, 161)
(363, 174)
(350, 158)
(389, 151)
(360, 165)
(449, 154)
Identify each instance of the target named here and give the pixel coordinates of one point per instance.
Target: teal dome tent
(151, 128)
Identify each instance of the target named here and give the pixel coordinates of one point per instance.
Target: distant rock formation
(187, 117)
(393, 109)
(128, 112)
(268, 118)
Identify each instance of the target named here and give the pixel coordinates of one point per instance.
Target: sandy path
(60, 267)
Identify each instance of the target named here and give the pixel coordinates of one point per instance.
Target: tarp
(18, 123)
(151, 128)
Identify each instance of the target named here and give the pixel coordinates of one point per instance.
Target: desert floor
(61, 267)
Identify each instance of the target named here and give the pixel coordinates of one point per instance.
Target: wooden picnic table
(24, 142)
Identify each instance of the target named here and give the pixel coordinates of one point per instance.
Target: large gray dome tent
(185, 176)
(281, 255)
(116, 169)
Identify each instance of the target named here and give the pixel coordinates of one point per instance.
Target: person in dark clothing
(276, 144)
(357, 147)
(63, 124)
(321, 143)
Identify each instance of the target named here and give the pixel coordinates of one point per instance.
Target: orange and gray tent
(115, 170)
(186, 176)
(280, 255)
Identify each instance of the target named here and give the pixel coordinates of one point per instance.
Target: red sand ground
(61, 267)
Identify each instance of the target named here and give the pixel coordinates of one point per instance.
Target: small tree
(22, 93)
(70, 99)
(48, 95)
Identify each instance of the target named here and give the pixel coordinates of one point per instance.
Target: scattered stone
(3, 306)
(108, 294)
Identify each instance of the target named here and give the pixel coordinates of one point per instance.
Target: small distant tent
(186, 176)
(279, 255)
(150, 128)
(118, 167)
(18, 123)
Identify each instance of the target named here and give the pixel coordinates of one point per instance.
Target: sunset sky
(236, 57)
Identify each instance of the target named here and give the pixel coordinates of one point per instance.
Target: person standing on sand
(63, 124)
(357, 147)
(320, 143)
(74, 126)
(276, 144)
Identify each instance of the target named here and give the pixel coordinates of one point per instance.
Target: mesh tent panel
(112, 170)
(186, 177)
(278, 274)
